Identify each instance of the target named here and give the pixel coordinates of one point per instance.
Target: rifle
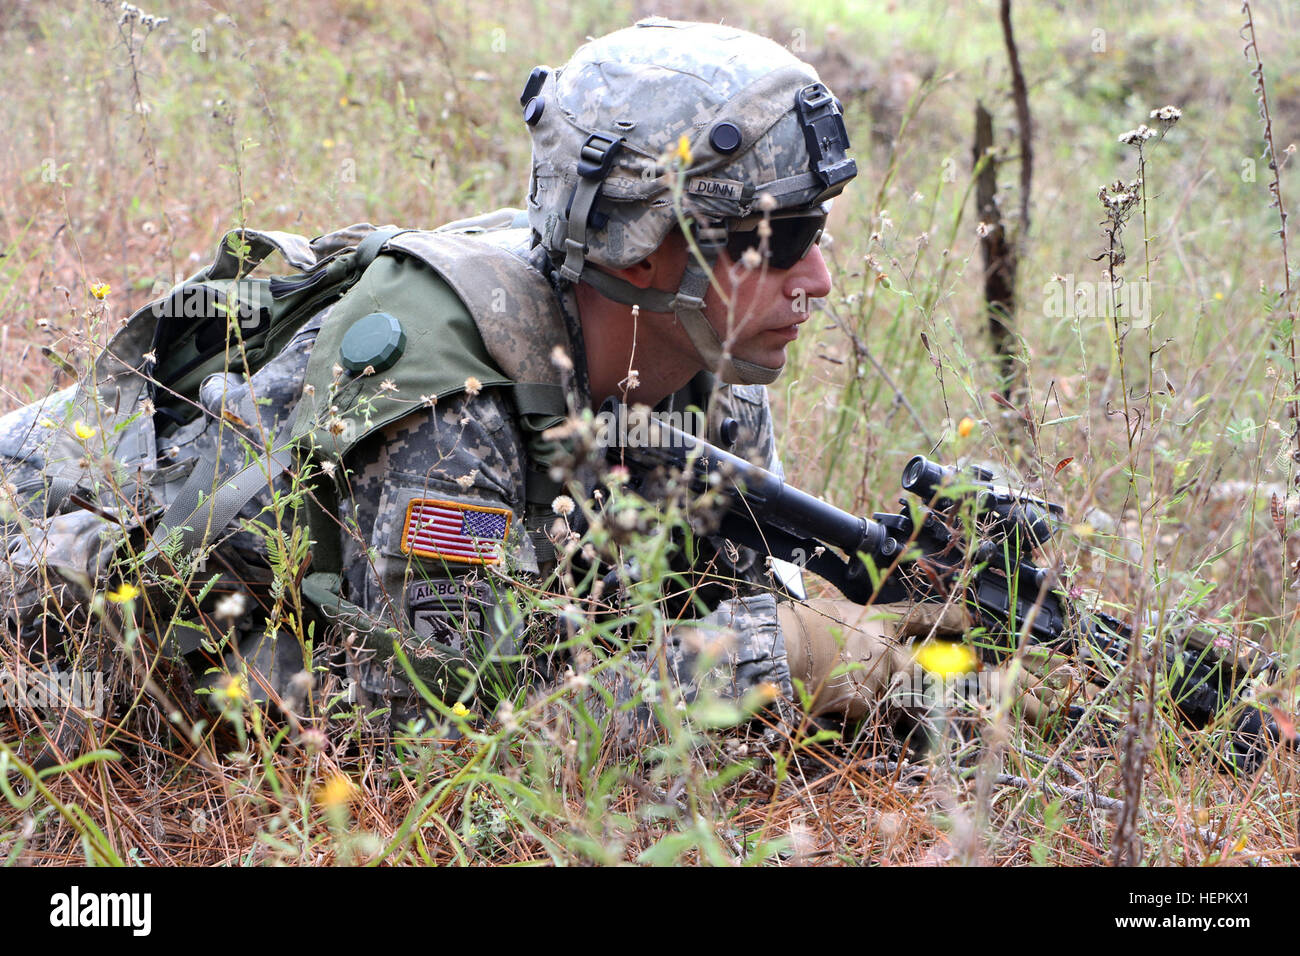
(962, 538)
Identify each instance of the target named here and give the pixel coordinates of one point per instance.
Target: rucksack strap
(204, 508)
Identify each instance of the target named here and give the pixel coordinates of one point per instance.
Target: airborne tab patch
(454, 531)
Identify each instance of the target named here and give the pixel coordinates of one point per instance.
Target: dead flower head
(1136, 137)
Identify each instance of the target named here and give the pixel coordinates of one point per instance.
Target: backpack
(186, 359)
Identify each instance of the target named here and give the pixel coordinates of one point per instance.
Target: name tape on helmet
(725, 188)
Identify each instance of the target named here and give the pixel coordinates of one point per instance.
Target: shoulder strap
(512, 304)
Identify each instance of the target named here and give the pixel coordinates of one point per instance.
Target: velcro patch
(455, 531)
(449, 610)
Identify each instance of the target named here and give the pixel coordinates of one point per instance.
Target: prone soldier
(418, 384)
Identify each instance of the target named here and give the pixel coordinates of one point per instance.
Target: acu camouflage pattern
(472, 449)
(695, 75)
(482, 450)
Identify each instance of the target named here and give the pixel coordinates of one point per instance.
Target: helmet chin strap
(688, 306)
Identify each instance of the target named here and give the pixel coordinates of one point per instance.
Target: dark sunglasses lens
(790, 240)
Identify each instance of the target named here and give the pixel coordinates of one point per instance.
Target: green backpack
(146, 397)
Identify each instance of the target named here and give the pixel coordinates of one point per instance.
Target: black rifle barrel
(756, 490)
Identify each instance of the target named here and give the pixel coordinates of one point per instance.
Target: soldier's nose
(808, 276)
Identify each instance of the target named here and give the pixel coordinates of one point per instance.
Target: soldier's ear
(662, 269)
(642, 274)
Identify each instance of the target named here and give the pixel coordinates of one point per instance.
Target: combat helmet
(765, 139)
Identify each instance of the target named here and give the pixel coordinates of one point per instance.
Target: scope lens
(912, 473)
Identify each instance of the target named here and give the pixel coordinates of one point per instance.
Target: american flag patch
(454, 531)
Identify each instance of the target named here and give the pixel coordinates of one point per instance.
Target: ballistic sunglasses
(794, 233)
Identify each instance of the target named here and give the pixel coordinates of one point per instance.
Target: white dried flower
(560, 359)
(563, 506)
(506, 716)
(467, 481)
(1136, 137)
(1167, 115)
(751, 258)
(313, 739)
(473, 386)
(231, 607)
(301, 682)
(766, 202)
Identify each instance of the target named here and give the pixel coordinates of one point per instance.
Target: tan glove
(857, 643)
(848, 656)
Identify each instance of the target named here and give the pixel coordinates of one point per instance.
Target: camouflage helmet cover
(652, 84)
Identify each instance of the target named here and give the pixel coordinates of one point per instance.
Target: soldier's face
(757, 313)
(764, 309)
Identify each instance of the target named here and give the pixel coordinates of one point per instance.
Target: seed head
(560, 359)
(1167, 115)
(1136, 137)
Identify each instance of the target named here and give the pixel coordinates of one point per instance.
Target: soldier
(681, 180)
(650, 312)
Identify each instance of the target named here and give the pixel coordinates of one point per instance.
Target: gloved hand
(848, 657)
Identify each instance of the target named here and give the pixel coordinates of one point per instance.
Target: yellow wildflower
(101, 290)
(460, 710)
(965, 427)
(84, 432)
(336, 791)
(235, 688)
(946, 658)
(683, 151)
(126, 591)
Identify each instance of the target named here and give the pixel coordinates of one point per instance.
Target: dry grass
(128, 154)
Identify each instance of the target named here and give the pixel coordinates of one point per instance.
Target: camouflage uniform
(758, 138)
(471, 450)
